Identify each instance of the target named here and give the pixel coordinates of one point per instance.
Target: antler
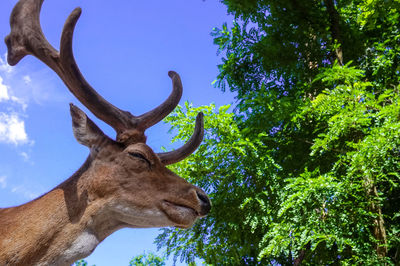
(189, 147)
(27, 38)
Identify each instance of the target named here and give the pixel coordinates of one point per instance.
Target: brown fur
(38, 231)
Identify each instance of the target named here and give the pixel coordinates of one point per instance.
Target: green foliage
(149, 259)
(81, 263)
(231, 168)
(306, 170)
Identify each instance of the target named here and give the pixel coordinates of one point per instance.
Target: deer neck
(58, 228)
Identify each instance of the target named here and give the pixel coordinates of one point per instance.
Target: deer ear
(85, 130)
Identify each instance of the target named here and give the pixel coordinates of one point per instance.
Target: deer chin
(181, 216)
(139, 217)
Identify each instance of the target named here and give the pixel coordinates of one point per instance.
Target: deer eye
(140, 156)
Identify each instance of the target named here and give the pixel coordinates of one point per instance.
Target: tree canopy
(149, 259)
(304, 168)
(145, 259)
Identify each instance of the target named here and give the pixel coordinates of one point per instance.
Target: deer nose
(205, 203)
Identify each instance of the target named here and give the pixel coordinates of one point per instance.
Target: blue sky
(124, 49)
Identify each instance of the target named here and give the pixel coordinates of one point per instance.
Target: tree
(149, 259)
(306, 170)
(230, 168)
(81, 263)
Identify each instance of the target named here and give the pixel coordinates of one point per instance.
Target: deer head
(123, 183)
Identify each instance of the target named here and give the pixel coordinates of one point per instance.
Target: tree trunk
(334, 19)
(378, 230)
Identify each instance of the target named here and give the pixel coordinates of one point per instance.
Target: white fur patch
(141, 218)
(82, 247)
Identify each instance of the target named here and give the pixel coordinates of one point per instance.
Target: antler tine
(154, 116)
(27, 37)
(120, 120)
(189, 147)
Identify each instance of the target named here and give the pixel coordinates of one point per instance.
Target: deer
(122, 184)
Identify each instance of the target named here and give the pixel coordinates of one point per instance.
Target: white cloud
(12, 129)
(27, 79)
(19, 87)
(4, 66)
(12, 126)
(25, 156)
(20, 189)
(5, 96)
(24, 192)
(3, 91)
(3, 182)
(27, 85)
